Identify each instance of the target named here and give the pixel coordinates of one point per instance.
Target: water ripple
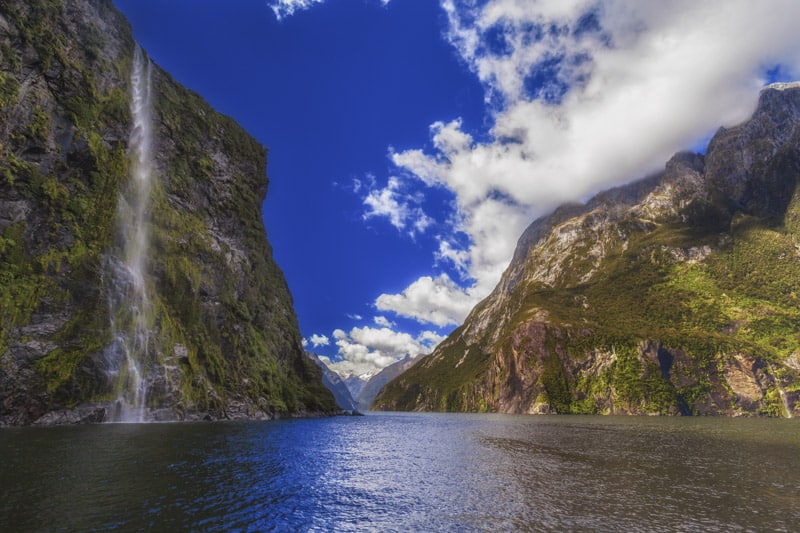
(402, 472)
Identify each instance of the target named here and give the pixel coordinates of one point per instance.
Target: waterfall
(129, 302)
(786, 407)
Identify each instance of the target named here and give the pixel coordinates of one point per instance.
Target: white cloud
(286, 8)
(454, 254)
(398, 207)
(383, 322)
(365, 351)
(430, 339)
(584, 95)
(437, 301)
(317, 341)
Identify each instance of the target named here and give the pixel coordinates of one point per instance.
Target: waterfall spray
(129, 302)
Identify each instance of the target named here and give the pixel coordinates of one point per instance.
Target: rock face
(677, 294)
(225, 341)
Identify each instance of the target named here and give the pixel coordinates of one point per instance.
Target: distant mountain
(365, 387)
(355, 384)
(335, 384)
(374, 385)
(677, 294)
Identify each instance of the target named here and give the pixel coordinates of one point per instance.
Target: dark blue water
(406, 472)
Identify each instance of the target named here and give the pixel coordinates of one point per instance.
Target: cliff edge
(221, 338)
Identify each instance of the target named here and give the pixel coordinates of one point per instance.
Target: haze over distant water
(407, 472)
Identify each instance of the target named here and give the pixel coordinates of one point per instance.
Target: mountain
(355, 384)
(362, 387)
(373, 386)
(335, 384)
(136, 280)
(677, 294)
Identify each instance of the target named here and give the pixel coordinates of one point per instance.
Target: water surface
(406, 472)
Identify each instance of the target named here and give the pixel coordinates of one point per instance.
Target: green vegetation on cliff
(225, 340)
(676, 295)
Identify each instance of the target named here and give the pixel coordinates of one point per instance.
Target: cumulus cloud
(400, 208)
(317, 340)
(430, 339)
(438, 301)
(584, 95)
(364, 351)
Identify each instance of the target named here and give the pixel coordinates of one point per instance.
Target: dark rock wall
(225, 339)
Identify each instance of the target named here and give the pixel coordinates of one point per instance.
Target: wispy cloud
(399, 207)
(383, 322)
(584, 95)
(287, 8)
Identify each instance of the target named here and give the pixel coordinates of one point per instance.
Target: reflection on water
(423, 472)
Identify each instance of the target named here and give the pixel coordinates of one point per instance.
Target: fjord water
(406, 472)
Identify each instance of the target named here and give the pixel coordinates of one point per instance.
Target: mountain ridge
(676, 294)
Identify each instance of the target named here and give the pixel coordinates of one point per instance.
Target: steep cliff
(222, 335)
(677, 294)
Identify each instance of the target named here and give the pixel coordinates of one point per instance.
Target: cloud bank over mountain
(579, 96)
(366, 350)
(583, 96)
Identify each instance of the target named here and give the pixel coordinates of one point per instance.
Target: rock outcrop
(677, 294)
(224, 339)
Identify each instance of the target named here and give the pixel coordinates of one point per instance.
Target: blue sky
(412, 141)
